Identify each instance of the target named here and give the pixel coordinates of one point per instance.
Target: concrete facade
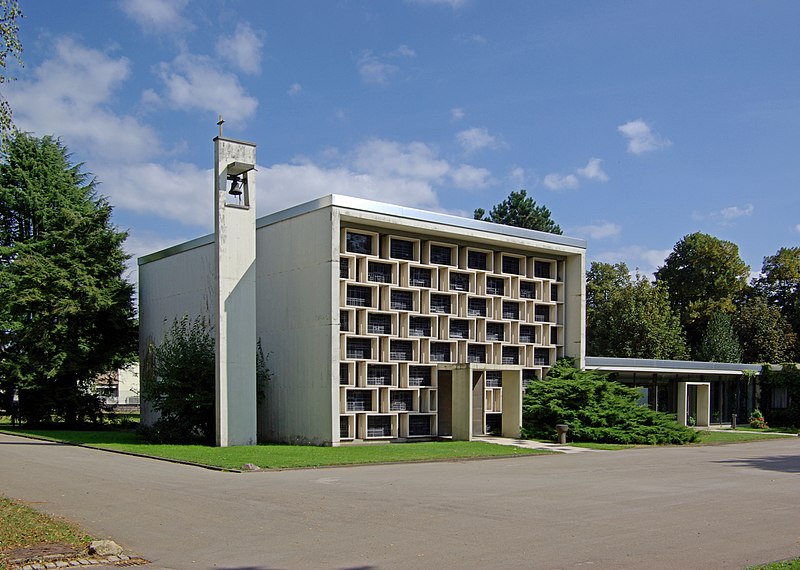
(385, 323)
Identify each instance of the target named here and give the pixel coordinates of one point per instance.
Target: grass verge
(793, 564)
(282, 456)
(24, 527)
(736, 436)
(602, 446)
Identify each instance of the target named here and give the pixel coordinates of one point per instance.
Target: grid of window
(527, 290)
(359, 348)
(440, 352)
(541, 269)
(495, 286)
(401, 350)
(495, 331)
(542, 314)
(510, 310)
(459, 329)
(527, 334)
(379, 272)
(359, 400)
(379, 375)
(379, 323)
(541, 357)
(476, 308)
(359, 243)
(441, 304)
(401, 402)
(401, 249)
(419, 376)
(344, 321)
(419, 326)
(379, 426)
(494, 379)
(441, 255)
(510, 355)
(420, 277)
(511, 265)
(344, 268)
(476, 353)
(419, 425)
(459, 281)
(402, 301)
(476, 260)
(359, 296)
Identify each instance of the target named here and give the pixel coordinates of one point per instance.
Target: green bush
(596, 410)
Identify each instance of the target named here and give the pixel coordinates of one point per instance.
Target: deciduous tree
(719, 342)
(764, 333)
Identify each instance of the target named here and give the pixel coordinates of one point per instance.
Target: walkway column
(235, 311)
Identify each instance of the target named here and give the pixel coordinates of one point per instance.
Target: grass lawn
(602, 446)
(768, 430)
(24, 527)
(282, 456)
(793, 564)
(736, 436)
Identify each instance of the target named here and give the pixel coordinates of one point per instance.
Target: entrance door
(445, 413)
(478, 424)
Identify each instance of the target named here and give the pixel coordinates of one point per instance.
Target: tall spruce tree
(66, 311)
(520, 210)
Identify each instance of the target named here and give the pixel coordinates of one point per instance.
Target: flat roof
(645, 365)
(372, 206)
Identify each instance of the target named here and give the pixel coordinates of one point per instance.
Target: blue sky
(636, 123)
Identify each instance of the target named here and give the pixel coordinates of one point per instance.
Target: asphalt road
(696, 507)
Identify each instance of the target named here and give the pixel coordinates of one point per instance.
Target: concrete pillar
(512, 403)
(682, 403)
(703, 404)
(235, 311)
(462, 403)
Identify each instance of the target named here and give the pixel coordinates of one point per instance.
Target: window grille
(476, 260)
(344, 321)
(476, 353)
(541, 269)
(441, 255)
(541, 357)
(344, 374)
(401, 350)
(401, 249)
(510, 310)
(510, 355)
(359, 296)
(494, 379)
(420, 277)
(419, 326)
(440, 303)
(402, 301)
(459, 282)
(527, 290)
(359, 401)
(344, 427)
(379, 375)
(360, 348)
(527, 334)
(419, 376)
(495, 286)
(476, 308)
(379, 272)
(553, 292)
(553, 336)
(459, 329)
(495, 331)
(378, 323)
(400, 402)
(528, 376)
(359, 243)
(542, 314)
(419, 425)
(344, 268)
(511, 265)
(440, 352)
(379, 426)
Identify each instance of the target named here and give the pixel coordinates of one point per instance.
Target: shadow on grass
(83, 437)
(782, 463)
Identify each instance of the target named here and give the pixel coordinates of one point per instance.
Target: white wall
(296, 302)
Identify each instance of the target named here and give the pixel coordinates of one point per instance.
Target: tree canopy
(703, 275)
(630, 318)
(780, 283)
(719, 342)
(66, 311)
(764, 333)
(9, 46)
(520, 210)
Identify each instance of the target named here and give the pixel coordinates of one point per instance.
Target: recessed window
(494, 379)
(419, 326)
(510, 310)
(360, 348)
(527, 290)
(440, 352)
(441, 255)
(401, 301)
(542, 314)
(401, 249)
(510, 355)
(420, 277)
(441, 304)
(476, 353)
(379, 323)
(401, 402)
(476, 260)
(359, 400)
(495, 331)
(527, 334)
(541, 269)
(495, 286)
(419, 425)
(459, 281)
(379, 375)
(359, 296)
(511, 264)
(459, 329)
(401, 350)
(359, 243)
(476, 308)
(419, 376)
(379, 272)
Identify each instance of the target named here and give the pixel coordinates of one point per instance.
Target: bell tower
(235, 312)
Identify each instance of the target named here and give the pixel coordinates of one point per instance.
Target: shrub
(757, 420)
(596, 410)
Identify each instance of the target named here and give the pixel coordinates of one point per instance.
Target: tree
(764, 333)
(521, 211)
(719, 342)
(703, 275)
(630, 318)
(9, 46)
(66, 312)
(780, 283)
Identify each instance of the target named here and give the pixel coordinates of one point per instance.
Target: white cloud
(376, 70)
(558, 182)
(734, 212)
(158, 16)
(454, 4)
(389, 158)
(403, 51)
(725, 216)
(593, 170)
(597, 231)
(475, 139)
(797, 228)
(641, 138)
(468, 177)
(294, 89)
(517, 176)
(243, 49)
(456, 114)
(647, 261)
(195, 82)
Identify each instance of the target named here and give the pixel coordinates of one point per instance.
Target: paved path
(695, 507)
